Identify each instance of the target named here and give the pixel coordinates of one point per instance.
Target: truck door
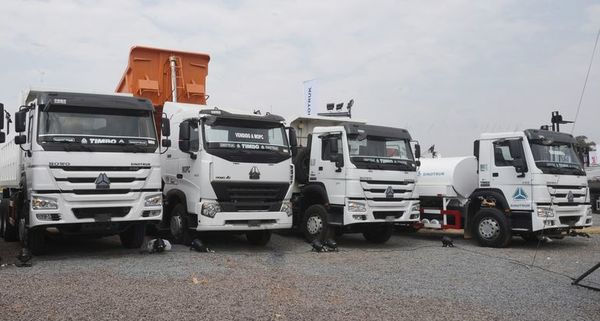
(510, 172)
(329, 166)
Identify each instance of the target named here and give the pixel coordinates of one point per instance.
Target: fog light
(210, 209)
(414, 216)
(549, 222)
(151, 213)
(286, 207)
(359, 217)
(47, 217)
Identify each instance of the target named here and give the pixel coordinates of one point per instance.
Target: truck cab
(81, 164)
(227, 172)
(353, 177)
(537, 179)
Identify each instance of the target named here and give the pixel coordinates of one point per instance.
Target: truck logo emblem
(254, 173)
(102, 182)
(389, 192)
(84, 141)
(519, 194)
(570, 197)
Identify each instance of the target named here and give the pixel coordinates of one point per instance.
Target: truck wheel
(133, 237)
(314, 223)
(491, 228)
(178, 225)
(36, 240)
(259, 238)
(9, 232)
(378, 234)
(302, 165)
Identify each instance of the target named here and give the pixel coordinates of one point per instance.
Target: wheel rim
(176, 225)
(314, 224)
(489, 228)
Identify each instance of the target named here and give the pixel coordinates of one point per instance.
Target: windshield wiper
(75, 147)
(135, 148)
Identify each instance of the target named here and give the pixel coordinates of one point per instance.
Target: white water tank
(448, 177)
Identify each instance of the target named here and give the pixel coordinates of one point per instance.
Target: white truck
(527, 183)
(81, 164)
(226, 171)
(353, 177)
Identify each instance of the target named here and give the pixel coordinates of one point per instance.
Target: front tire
(36, 240)
(133, 237)
(314, 223)
(179, 226)
(378, 234)
(258, 238)
(491, 228)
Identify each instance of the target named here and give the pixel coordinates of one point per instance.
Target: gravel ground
(411, 276)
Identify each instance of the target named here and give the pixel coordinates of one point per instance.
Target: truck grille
(561, 196)
(235, 197)
(101, 211)
(387, 191)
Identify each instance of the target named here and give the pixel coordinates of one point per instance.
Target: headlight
(588, 212)
(43, 203)
(210, 209)
(415, 208)
(356, 207)
(545, 212)
(153, 200)
(286, 207)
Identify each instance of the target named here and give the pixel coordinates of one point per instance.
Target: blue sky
(446, 71)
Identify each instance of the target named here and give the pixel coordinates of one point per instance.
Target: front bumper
(574, 216)
(243, 220)
(405, 212)
(95, 209)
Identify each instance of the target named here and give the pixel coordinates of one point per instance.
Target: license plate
(390, 218)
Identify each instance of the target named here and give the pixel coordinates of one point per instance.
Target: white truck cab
(227, 172)
(529, 183)
(353, 177)
(82, 164)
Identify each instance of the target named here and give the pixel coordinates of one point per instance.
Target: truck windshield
(247, 141)
(375, 152)
(556, 157)
(73, 128)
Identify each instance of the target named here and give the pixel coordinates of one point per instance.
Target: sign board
(311, 102)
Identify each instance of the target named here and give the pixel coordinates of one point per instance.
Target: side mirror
(515, 148)
(417, 151)
(166, 142)
(338, 159)
(332, 141)
(292, 137)
(1, 116)
(520, 166)
(20, 120)
(2, 137)
(184, 136)
(165, 127)
(476, 149)
(20, 140)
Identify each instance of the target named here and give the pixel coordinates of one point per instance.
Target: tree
(583, 148)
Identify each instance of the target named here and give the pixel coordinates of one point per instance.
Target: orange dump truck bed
(149, 75)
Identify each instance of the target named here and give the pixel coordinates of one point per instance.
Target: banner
(310, 98)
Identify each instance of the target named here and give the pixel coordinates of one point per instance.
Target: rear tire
(378, 234)
(179, 226)
(491, 228)
(133, 237)
(9, 232)
(314, 223)
(258, 238)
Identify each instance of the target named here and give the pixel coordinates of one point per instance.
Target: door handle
(320, 168)
(179, 175)
(495, 174)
